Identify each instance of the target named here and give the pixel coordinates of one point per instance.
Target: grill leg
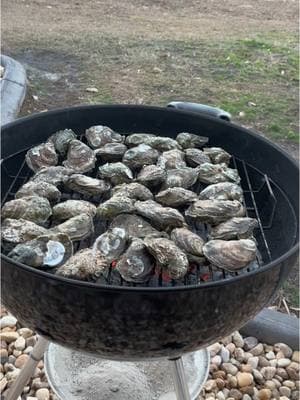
(180, 383)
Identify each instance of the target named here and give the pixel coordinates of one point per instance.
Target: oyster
(151, 176)
(171, 159)
(169, 256)
(77, 228)
(188, 241)
(49, 250)
(162, 143)
(222, 191)
(196, 157)
(187, 140)
(86, 185)
(61, 140)
(53, 175)
(162, 217)
(215, 173)
(32, 208)
(41, 189)
(114, 206)
(112, 243)
(135, 226)
(116, 172)
(70, 208)
(98, 136)
(86, 265)
(80, 157)
(111, 152)
(133, 190)
(184, 177)
(20, 230)
(217, 155)
(234, 228)
(231, 255)
(138, 138)
(43, 155)
(215, 211)
(141, 155)
(176, 197)
(136, 264)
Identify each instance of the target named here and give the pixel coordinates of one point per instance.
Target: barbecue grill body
(137, 323)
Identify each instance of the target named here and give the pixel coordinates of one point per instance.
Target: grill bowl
(136, 323)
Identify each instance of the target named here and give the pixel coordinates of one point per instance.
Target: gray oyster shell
(77, 228)
(171, 159)
(138, 138)
(136, 264)
(70, 208)
(117, 173)
(215, 173)
(20, 230)
(137, 157)
(43, 155)
(61, 140)
(133, 190)
(196, 157)
(135, 226)
(112, 243)
(169, 256)
(217, 155)
(189, 242)
(80, 157)
(161, 217)
(32, 208)
(49, 250)
(222, 191)
(187, 140)
(160, 143)
(234, 228)
(176, 197)
(99, 135)
(231, 255)
(111, 152)
(215, 211)
(86, 265)
(114, 206)
(151, 176)
(86, 185)
(54, 175)
(41, 189)
(184, 177)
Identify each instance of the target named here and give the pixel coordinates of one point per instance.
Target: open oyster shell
(80, 157)
(77, 228)
(231, 255)
(99, 135)
(114, 206)
(222, 191)
(137, 157)
(61, 140)
(70, 208)
(86, 265)
(187, 140)
(217, 155)
(171, 159)
(151, 176)
(54, 175)
(41, 189)
(135, 226)
(111, 243)
(188, 241)
(196, 157)
(133, 190)
(184, 177)
(111, 152)
(43, 155)
(215, 211)
(20, 230)
(86, 185)
(117, 173)
(215, 173)
(176, 197)
(234, 228)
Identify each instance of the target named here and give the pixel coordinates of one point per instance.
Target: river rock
(285, 391)
(217, 360)
(238, 340)
(20, 343)
(214, 349)
(296, 356)
(264, 394)
(42, 394)
(236, 394)
(268, 372)
(220, 396)
(229, 368)
(9, 336)
(270, 385)
(25, 332)
(230, 347)
(270, 355)
(253, 361)
(286, 350)
(239, 354)
(292, 373)
(210, 385)
(250, 342)
(8, 321)
(283, 362)
(21, 360)
(289, 384)
(257, 350)
(225, 354)
(244, 379)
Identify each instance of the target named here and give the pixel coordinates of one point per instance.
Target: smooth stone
(225, 354)
(282, 373)
(219, 374)
(220, 383)
(21, 360)
(296, 356)
(292, 373)
(217, 360)
(20, 343)
(273, 363)
(246, 397)
(226, 340)
(230, 347)
(17, 353)
(42, 394)
(270, 355)
(286, 350)
(276, 382)
(283, 362)
(246, 368)
(210, 385)
(229, 368)
(263, 362)
(3, 356)
(280, 355)
(220, 396)
(232, 382)
(28, 350)
(268, 348)
(295, 395)
(294, 365)
(244, 379)
(297, 384)
(285, 391)
(236, 394)
(270, 385)
(9, 336)
(25, 332)
(268, 372)
(3, 384)
(289, 384)
(250, 342)
(237, 339)
(247, 390)
(284, 398)
(264, 394)
(239, 354)
(257, 350)
(11, 359)
(247, 355)
(8, 321)
(11, 375)
(253, 361)
(31, 341)
(279, 378)
(214, 349)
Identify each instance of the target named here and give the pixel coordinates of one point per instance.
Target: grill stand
(180, 382)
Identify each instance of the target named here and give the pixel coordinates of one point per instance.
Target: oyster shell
(160, 143)
(231, 255)
(49, 250)
(112, 243)
(32, 208)
(176, 197)
(171, 159)
(54, 175)
(86, 265)
(43, 155)
(184, 177)
(80, 157)
(196, 157)
(77, 228)
(135, 226)
(86, 185)
(41, 189)
(215, 211)
(116, 172)
(215, 173)
(138, 138)
(168, 255)
(20, 230)
(151, 176)
(61, 140)
(70, 208)
(133, 190)
(222, 191)
(217, 155)
(111, 152)
(234, 228)
(188, 241)
(141, 155)
(162, 217)
(136, 264)
(114, 206)
(99, 135)
(187, 140)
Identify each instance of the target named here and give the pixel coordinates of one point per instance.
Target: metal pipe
(180, 383)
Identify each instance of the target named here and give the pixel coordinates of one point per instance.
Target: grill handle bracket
(200, 108)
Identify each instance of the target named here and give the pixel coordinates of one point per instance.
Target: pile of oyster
(134, 206)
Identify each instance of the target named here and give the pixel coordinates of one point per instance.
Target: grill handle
(200, 108)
